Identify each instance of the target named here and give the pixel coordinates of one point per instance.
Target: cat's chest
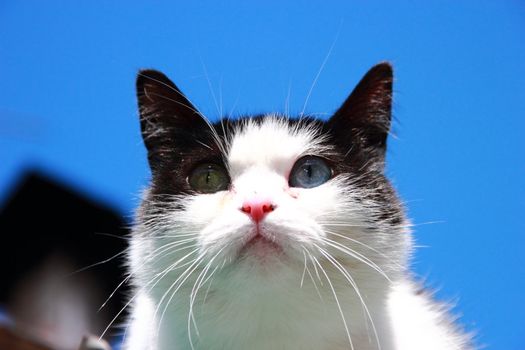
(266, 317)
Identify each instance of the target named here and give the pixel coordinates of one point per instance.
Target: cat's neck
(281, 309)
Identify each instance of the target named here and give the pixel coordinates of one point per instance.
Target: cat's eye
(309, 171)
(209, 178)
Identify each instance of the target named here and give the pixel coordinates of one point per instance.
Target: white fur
(419, 322)
(298, 300)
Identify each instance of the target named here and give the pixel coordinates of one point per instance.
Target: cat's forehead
(273, 142)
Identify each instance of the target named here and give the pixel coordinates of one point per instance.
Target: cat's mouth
(260, 245)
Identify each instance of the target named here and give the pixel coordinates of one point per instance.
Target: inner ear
(366, 113)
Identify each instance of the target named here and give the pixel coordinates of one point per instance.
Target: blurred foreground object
(51, 235)
(9, 340)
(93, 343)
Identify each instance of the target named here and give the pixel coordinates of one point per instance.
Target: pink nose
(257, 208)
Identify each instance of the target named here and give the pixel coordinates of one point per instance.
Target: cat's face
(267, 191)
(262, 214)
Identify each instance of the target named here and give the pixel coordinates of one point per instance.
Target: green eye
(209, 178)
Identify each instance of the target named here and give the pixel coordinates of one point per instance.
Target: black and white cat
(267, 232)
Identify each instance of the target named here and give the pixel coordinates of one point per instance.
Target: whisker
(203, 144)
(138, 292)
(311, 276)
(179, 282)
(315, 267)
(337, 302)
(304, 269)
(287, 101)
(96, 264)
(352, 282)
(364, 245)
(212, 276)
(355, 255)
(111, 235)
(210, 86)
(153, 255)
(193, 295)
(320, 70)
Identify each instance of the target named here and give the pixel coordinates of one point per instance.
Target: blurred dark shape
(49, 232)
(10, 340)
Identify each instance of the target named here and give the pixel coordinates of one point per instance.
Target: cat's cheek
(226, 199)
(317, 201)
(204, 208)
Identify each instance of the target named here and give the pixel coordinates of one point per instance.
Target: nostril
(266, 208)
(246, 209)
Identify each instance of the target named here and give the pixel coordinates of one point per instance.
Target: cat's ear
(366, 113)
(164, 112)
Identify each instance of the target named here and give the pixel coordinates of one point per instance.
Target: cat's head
(266, 191)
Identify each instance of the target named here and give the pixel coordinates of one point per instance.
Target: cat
(269, 232)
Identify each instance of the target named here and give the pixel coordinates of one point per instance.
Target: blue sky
(67, 107)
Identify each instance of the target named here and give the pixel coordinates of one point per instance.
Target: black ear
(166, 115)
(365, 115)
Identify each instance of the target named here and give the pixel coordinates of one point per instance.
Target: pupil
(208, 177)
(309, 170)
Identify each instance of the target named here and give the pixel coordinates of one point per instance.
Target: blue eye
(309, 171)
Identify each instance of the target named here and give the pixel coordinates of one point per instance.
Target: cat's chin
(261, 247)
